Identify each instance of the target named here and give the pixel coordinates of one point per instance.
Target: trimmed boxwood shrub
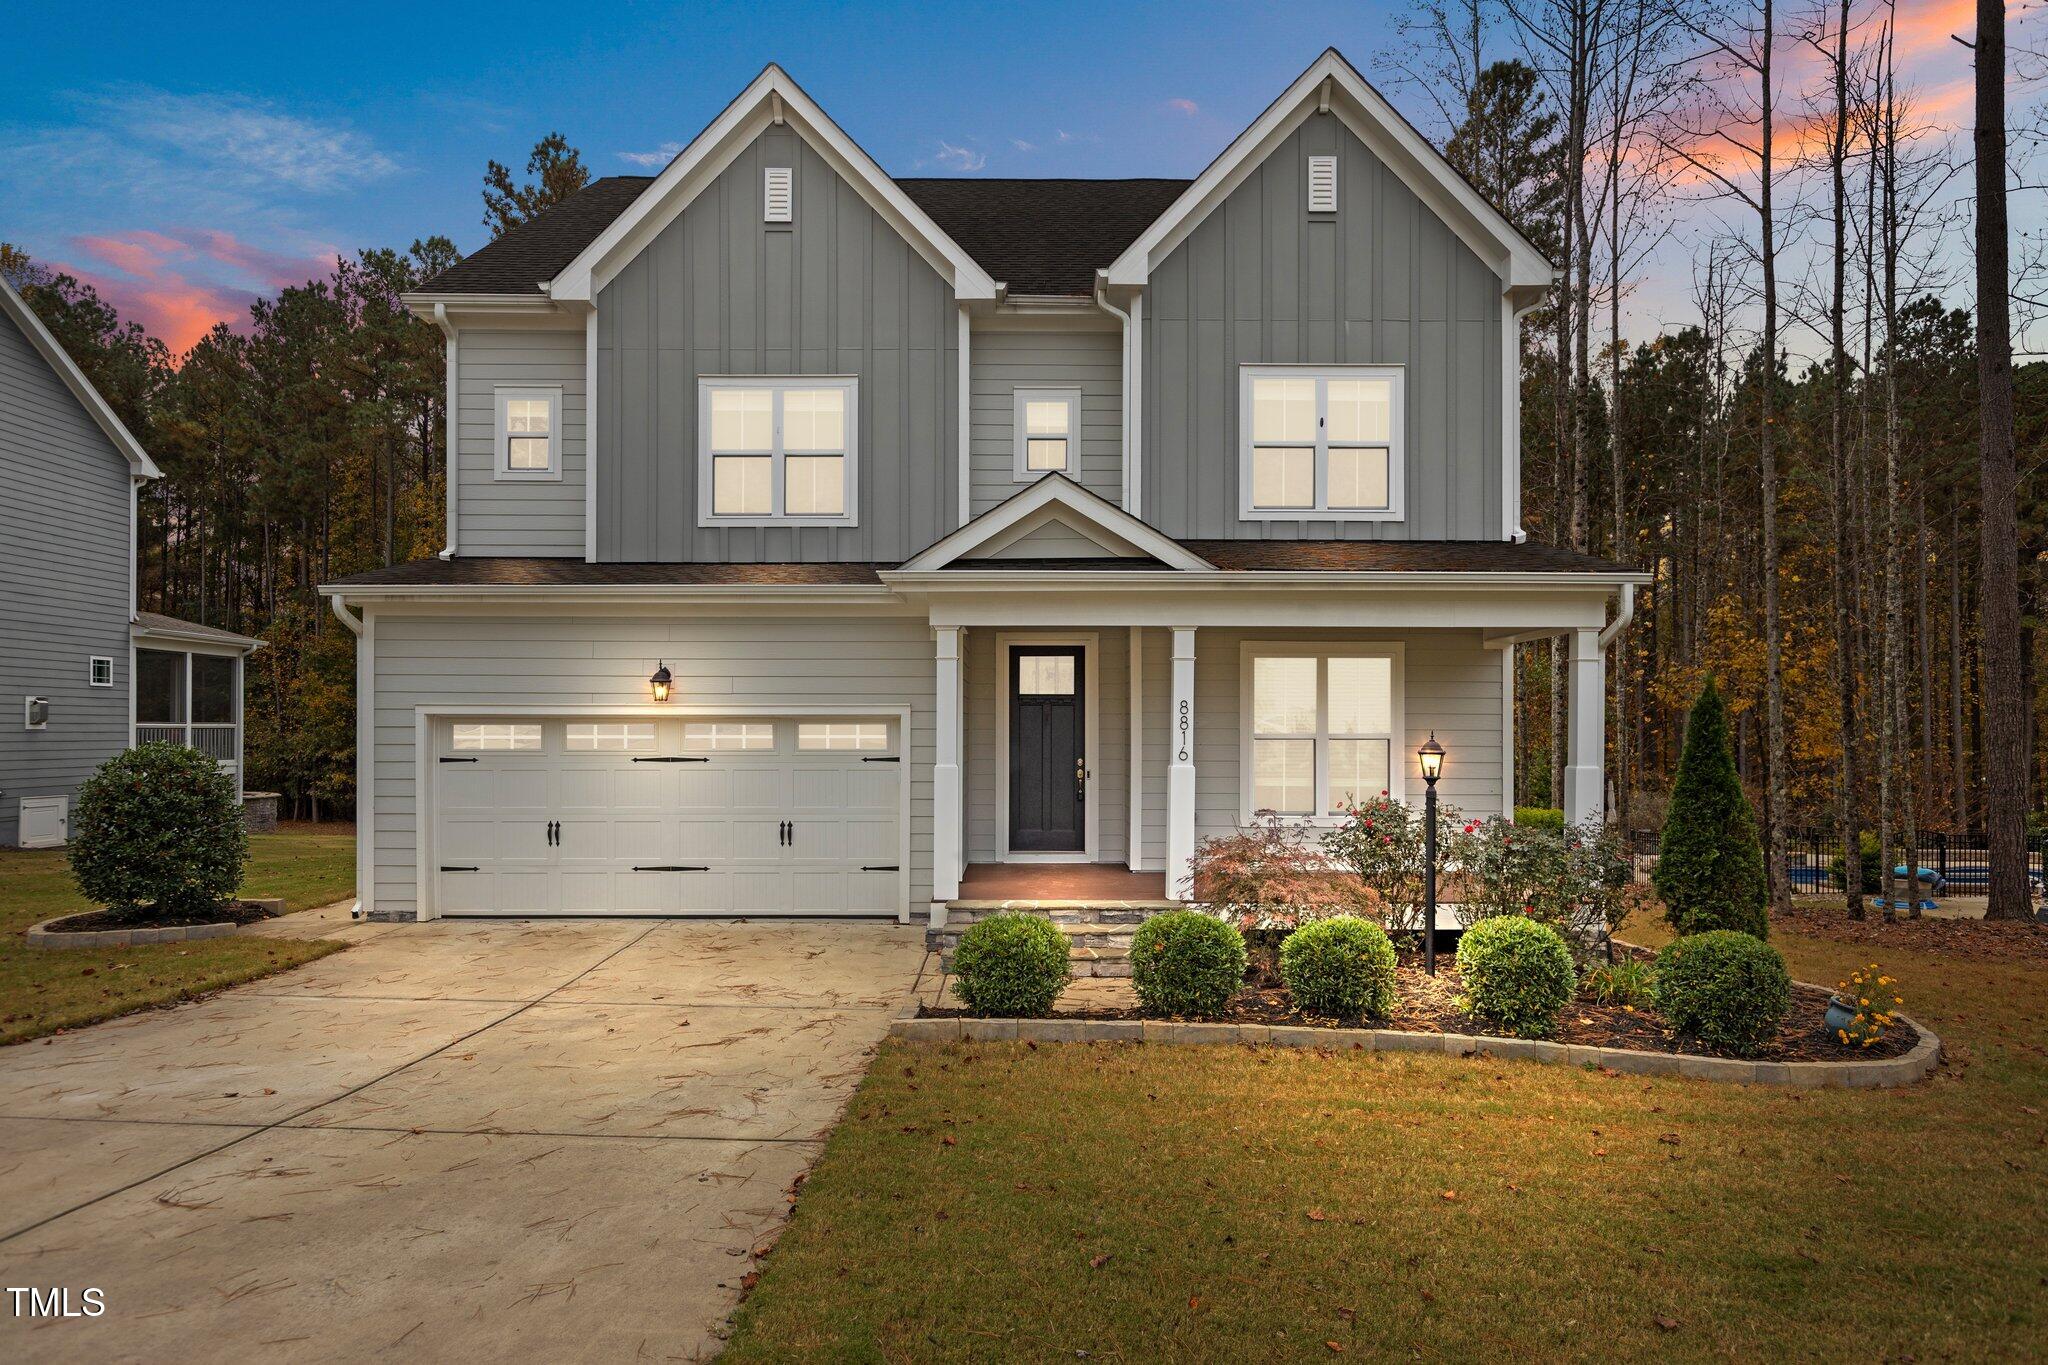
(159, 826)
(1012, 966)
(1187, 963)
(1518, 974)
(1342, 966)
(1728, 988)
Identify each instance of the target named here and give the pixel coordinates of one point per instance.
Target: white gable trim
(16, 307)
(1083, 511)
(1055, 517)
(772, 98)
(1332, 82)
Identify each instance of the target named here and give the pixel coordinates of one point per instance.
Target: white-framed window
(529, 434)
(813, 736)
(1047, 423)
(611, 737)
(728, 736)
(100, 671)
(498, 738)
(1321, 726)
(775, 452)
(1320, 442)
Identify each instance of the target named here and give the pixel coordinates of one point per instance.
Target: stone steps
(1098, 933)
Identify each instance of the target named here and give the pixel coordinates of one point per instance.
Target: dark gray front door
(1048, 757)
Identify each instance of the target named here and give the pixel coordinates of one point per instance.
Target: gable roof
(526, 258)
(772, 97)
(16, 307)
(1333, 83)
(1044, 237)
(155, 625)
(1082, 510)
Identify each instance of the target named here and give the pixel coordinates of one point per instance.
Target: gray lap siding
(548, 662)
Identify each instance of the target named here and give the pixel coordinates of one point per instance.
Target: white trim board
(1086, 509)
(1090, 644)
(424, 766)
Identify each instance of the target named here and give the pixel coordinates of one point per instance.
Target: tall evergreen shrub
(1710, 863)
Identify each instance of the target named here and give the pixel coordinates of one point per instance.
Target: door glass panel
(1045, 675)
(828, 735)
(725, 736)
(1283, 696)
(1284, 476)
(1361, 696)
(498, 738)
(1358, 477)
(1358, 771)
(1283, 410)
(814, 486)
(1284, 776)
(630, 737)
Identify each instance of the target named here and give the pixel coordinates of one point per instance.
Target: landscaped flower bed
(1429, 1004)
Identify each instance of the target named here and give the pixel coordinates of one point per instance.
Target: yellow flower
(1863, 1002)
(1898, 1000)
(1843, 1034)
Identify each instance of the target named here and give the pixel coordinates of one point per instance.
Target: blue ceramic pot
(1841, 1014)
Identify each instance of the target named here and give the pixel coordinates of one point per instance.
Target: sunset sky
(186, 160)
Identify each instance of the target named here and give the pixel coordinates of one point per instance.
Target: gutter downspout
(366, 816)
(1622, 617)
(1130, 460)
(447, 331)
(345, 616)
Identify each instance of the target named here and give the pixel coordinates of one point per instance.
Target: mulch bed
(1427, 1004)
(1974, 938)
(146, 917)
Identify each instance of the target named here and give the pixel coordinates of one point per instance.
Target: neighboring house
(814, 535)
(83, 674)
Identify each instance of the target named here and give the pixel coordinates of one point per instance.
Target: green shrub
(1630, 981)
(1727, 988)
(1540, 817)
(1012, 966)
(1869, 870)
(1185, 962)
(1518, 974)
(1710, 865)
(1342, 966)
(159, 825)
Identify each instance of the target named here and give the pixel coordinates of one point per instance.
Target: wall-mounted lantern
(661, 682)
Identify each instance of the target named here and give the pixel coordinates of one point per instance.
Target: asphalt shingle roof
(537, 250)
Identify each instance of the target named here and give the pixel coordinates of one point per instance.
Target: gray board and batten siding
(1382, 281)
(837, 291)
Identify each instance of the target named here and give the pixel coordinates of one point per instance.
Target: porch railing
(216, 740)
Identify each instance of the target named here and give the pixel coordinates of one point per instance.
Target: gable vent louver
(1322, 184)
(778, 195)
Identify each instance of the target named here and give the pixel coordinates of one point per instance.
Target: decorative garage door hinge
(446, 868)
(671, 760)
(669, 867)
(446, 759)
(891, 867)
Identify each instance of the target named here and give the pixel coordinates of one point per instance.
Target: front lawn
(42, 991)
(993, 1202)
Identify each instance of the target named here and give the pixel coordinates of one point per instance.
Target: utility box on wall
(45, 821)
(35, 713)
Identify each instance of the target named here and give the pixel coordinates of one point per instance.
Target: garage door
(748, 816)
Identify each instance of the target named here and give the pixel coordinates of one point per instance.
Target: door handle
(1080, 779)
(792, 833)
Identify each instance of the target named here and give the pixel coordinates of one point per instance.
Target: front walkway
(460, 1140)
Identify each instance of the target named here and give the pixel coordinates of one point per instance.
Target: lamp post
(1431, 756)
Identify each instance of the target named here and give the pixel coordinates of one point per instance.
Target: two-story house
(83, 673)
(818, 539)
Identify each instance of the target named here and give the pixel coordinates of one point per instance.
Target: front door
(1048, 757)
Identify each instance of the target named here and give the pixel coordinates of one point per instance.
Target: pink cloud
(1184, 106)
(160, 279)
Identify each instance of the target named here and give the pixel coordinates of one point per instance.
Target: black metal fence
(1950, 864)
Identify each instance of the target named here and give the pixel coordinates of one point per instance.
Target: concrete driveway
(511, 1140)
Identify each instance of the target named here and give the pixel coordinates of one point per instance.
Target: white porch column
(946, 841)
(1180, 771)
(1585, 797)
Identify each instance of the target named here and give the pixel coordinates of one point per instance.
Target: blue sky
(207, 154)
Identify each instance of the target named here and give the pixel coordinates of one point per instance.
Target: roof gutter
(1625, 614)
(344, 615)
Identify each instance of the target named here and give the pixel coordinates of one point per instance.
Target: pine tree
(1710, 865)
(557, 171)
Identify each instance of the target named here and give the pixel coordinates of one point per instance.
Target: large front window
(776, 451)
(1319, 726)
(1321, 443)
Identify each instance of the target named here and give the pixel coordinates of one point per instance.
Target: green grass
(42, 991)
(996, 1202)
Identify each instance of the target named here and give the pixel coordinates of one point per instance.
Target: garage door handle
(446, 868)
(671, 760)
(667, 867)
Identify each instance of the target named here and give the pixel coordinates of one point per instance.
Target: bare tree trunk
(1959, 819)
(1848, 826)
(1774, 666)
(1998, 586)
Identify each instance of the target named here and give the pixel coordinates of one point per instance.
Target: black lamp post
(1431, 756)
(660, 683)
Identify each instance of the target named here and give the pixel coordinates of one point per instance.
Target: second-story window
(775, 451)
(1047, 424)
(529, 436)
(1322, 443)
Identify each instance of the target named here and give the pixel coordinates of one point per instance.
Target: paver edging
(43, 936)
(1891, 1071)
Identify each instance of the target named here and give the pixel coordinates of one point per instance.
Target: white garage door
(767, 816)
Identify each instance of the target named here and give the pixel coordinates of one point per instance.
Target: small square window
(529, 435)
(101, 673)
